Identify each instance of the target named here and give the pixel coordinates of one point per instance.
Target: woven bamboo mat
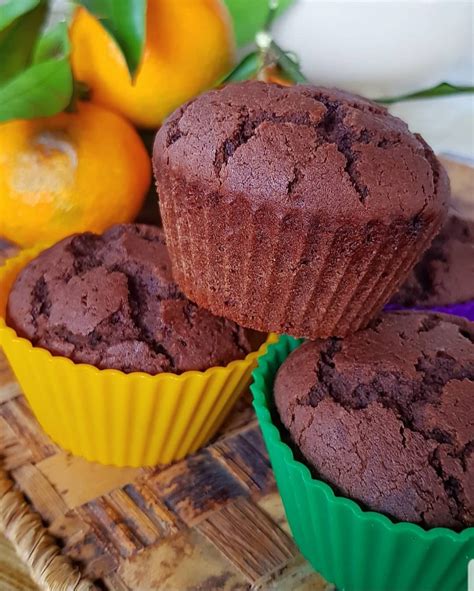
(14, 575)
(212, 522)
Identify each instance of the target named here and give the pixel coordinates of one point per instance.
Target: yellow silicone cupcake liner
(111, 417)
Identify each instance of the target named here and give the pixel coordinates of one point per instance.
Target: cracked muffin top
(324, 150)
(386, 416)
(445, 274)
(110, 301)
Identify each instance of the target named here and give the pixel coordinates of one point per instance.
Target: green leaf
(53, 44)
(45, 88)
(244, 70)
(250, 16)
(443, 89)
(125, 20)
(18, 37)
(42, 90)
(12, 9)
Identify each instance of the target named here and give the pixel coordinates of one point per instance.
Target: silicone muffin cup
(464, 309)
(112, 417)
(357, 550)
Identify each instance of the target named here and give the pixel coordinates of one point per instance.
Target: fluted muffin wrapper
(464, 309)
(357, 550)
(111, 417)
(288, 272)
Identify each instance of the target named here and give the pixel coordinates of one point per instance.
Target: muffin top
(323, 150)
(111, 301)
(386, 416)
(445, 274)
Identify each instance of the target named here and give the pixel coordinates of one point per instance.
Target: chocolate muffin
(110, 301)
(386, 416)
(445, 274)
(294, 209)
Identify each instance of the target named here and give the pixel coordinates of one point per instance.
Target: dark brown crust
(283, 205)
(387, 416)
(445, 274)
(329, 150)
(111, 301)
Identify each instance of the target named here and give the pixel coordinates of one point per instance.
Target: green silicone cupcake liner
(356, 550)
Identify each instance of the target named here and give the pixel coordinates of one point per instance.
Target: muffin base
(288, 272)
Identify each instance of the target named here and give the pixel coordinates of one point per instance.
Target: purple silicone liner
(465, 310)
